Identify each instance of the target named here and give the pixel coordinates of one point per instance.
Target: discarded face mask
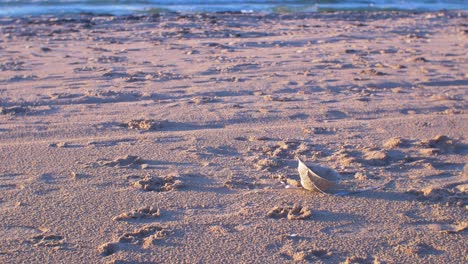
(318, 179)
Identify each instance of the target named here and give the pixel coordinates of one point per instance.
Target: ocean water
(120, 7)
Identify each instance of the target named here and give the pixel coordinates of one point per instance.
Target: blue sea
(122, 7)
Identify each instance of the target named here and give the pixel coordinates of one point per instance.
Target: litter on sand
(320, 179)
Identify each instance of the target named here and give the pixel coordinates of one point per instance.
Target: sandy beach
(174, 138)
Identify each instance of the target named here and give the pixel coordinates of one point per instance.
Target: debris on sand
(317, 180)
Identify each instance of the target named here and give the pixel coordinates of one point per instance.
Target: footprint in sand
(19, 78)
(12, 65)
(359, 259)
(382, 157)
(144, 124)
(158, 184)
(276, 98)
(444, 144)
(456, 228)
(453, 228)
(142, 213)
(14, 110)
(372, 72)
(266, 164)
(60, 145)
(43, 240)
(138, 77)
(109, 59)
(124, 162)
(449, 196)
(295, 212)
(273, 156)
(143, 237)
(111, 143)
(8, 187)
(395, 143)
(295, 252)
(319, 130)
(417, 249)
(238, 183)
(18, 232)
(203, 100)
(309, 255)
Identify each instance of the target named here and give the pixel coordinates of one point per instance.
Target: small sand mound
(344, 158)
(383, 158)
(296, 212)
(429, 151)
(393, 143)
(266, 164)
(108, 249)
(376, 158)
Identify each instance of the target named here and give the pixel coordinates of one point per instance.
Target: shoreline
(239, 13)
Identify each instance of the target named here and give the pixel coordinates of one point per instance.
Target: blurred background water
(119, 7)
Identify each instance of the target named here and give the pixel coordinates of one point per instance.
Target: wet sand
(173, 138)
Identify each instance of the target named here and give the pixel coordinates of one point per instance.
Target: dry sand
(171, 138)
